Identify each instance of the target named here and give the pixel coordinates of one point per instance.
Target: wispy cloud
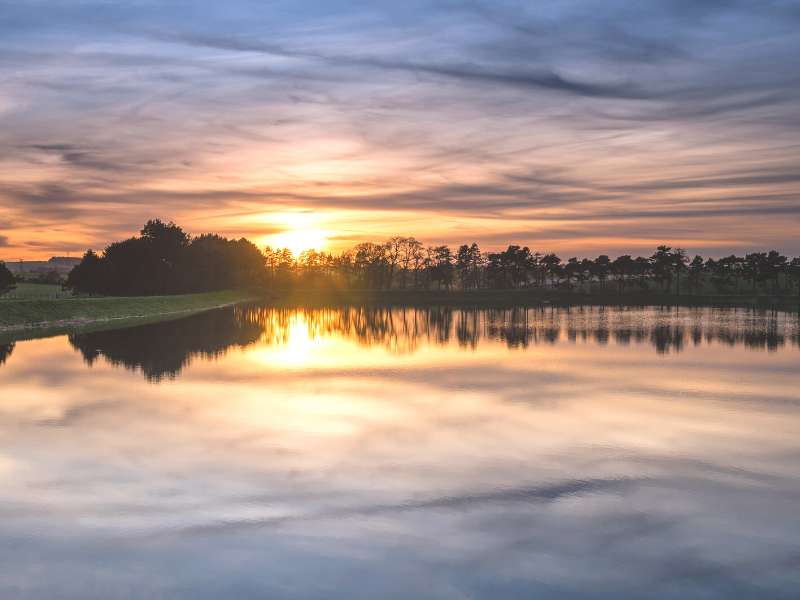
(497, 116)
(457, 502)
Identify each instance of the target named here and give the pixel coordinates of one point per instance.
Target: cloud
(544, 79)
(456, 502)
(535, 78)
(79, 156)
(74, 414)
(497, 117)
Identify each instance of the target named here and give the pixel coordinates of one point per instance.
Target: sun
(300, 240)
(301, 234)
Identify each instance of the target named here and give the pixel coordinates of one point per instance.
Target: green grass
(34, 317)
(25, 291)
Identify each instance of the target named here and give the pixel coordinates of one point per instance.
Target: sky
(580, 127)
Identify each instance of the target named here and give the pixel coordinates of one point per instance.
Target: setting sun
(299, 240)
(301, 234)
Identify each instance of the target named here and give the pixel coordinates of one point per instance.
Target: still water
(374, 453)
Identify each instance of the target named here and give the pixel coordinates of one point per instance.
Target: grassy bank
(30, 291)
(520, 297)
(37, 317)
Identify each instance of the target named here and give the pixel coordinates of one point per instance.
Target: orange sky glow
(293, 128)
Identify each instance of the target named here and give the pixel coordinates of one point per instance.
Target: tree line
(404, 263)
(163, 259)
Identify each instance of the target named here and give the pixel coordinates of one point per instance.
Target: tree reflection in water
(164, 349)
(5, 352)
(667, 329)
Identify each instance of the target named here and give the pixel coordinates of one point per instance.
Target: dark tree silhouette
(662, 262)
(167, 240)
(439, 266)
(469, 262)
(510, 268)
(775, 264)
(601, 269)
(552, 268)
(793, 272)
(165, 260)
(7, 279)
(623, 268)
(679, 262)
(696, 269)
(88, 276)
(5, 352)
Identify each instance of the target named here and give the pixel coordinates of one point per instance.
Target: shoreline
(22, 319)
(510, 298)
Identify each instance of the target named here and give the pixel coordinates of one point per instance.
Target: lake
(400, 453)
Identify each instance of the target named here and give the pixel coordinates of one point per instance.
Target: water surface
(373, 453)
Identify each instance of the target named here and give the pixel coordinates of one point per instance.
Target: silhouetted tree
(440, 266)
(164, 260)
(469, 262)
(573, 269)
(623, 268)
(793, 272)
(696, 269)
(601, 267)
(679, 262)
(552, 267)
(668, 265)
(7, 279)
(661, 262)
(725, 272)
(167, 240)
(642, 271)
(511, 267)
(370, 264)
(754, 267)
(280, 265)
(88, 275)
(212, 262)
(411, 257)
(775, 264)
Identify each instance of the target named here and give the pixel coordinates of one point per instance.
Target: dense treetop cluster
(165, 260)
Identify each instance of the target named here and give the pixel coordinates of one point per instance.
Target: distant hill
(59, 264)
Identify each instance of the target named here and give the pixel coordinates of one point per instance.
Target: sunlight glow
(299, 240)
(301, 234)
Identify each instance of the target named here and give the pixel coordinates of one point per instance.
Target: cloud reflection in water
(406, 453)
